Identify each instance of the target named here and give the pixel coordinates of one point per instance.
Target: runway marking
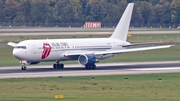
(145, 69)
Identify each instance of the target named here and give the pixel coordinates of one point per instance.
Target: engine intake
(86, 59)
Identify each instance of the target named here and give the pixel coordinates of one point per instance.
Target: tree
(26, 10)
(39, 11)
(146, 12)
(175, 5)
(2, 11)
(11, 9)
(68, 11)
(98, 9)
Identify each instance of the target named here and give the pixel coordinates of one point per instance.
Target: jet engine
(87, 59)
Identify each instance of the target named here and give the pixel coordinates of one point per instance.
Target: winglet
(12, 44)
(122, 28)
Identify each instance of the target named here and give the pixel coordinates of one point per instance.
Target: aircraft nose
(17, 54)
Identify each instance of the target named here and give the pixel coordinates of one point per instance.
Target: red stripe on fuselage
(46, 51)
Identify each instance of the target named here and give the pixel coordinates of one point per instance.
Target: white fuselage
(54, 49)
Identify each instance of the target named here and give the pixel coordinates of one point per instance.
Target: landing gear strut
(58, 66)
(90, 66)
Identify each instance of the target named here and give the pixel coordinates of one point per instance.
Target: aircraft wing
(132, 50)
(12, 44)
(119, 51)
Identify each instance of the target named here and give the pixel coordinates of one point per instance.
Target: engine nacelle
(86, 59)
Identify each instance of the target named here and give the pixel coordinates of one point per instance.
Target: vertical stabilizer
(122, 28)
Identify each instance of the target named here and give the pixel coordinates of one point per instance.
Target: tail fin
(122, 28)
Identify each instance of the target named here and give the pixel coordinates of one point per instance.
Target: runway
(85, 33)
(102, 69)
(79, 31)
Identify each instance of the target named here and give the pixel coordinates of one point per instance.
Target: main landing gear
(93, 66)
(58, 66)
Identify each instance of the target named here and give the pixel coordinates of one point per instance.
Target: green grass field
(172, 54)
(102, 88)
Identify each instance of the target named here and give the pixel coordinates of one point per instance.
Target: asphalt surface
(102, 69)
(85, 33)
(54, 29)
(74, 31)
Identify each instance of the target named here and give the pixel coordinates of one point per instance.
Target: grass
(108, 88)
(6, 58)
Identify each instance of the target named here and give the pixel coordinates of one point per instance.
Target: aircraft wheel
(62, 66)
(90, 66)
(54, 66)
(93, 66)
(87, 66)
(58, 66)
(23, 68)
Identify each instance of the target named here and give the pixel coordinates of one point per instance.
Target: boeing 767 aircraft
(87, 51)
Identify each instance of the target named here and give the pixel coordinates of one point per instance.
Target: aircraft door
(34, 50)
(114, 45)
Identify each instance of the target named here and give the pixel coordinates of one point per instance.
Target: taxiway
(102, 69)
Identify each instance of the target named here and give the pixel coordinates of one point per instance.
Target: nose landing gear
(23, 68)
(23, 63)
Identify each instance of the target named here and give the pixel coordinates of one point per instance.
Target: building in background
(92, 25)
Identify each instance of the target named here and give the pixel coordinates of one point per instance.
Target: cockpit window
(20, 47)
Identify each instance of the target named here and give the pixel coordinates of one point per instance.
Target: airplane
(88, 51)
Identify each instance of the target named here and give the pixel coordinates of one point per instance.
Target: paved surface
(86, 33)
(53, 33)
(3, 44)
(102, 69)
(55, 29)
(74, 31)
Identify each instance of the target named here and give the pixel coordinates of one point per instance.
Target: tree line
(47, 12)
